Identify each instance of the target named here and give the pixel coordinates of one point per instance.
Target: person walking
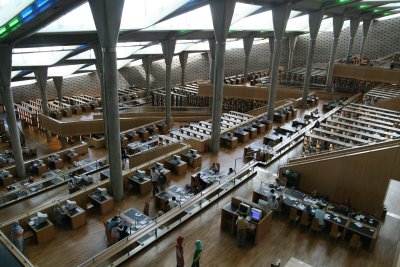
(180, 260)
(17, 236)
(197, 253)
(154, 180)
(242, 227)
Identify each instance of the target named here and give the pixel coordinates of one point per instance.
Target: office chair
(315, 226)
(355, 241)
(305, 219)
(294, 216)
(335, 233)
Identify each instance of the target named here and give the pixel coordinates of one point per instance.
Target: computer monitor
(41, 217)
(244, 209)
(230, 135)
(102, 191)
(194, 151)
(240, 130)
(141, 174)
(255, 214)
(159, 166)
(70, 205)
(176, 158)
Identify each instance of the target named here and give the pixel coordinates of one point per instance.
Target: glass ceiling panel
(234, 44)
(327, 25)
(200, 19)
(150, 50)
(44, 49)
(201, 46)
(146, 13)
(389, 17)
(120, 64)
(260, 41)
(11, 8)
(59, 71)
(258, 22)
(14, 73)
(391, 5)
(25, 82)
(38, 59)
(298, 24)
(88, 54)
(135, 63)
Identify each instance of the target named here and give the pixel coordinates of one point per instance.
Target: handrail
(248, 169)
(15, 251)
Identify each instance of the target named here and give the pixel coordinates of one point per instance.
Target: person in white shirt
(273, 203)
(154, 180)
(320, 215)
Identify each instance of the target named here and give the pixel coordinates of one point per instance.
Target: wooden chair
(305, 219)
(146, 209)
(355, 241)
(335, 233)
(315, 226)
(293, 216)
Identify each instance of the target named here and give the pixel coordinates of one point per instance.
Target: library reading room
(200, 133)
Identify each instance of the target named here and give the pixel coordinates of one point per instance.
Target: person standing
(242, 227)
(197, 253)
(154, 180)
(180, 260)
(17, 236)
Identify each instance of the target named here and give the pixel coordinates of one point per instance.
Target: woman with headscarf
(17, 235)
(180, 260)
(197, 253)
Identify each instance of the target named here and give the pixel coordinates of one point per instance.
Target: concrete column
(99, 67)
(247, 44)
(41, 78)
(58, 83)
(221, 12)
(366, 27)
(292, 44)
(168, 47)
(6, 94)
(314, 19)
(337, 28)
(147, 64)
(271, 52)
(211, 58)
(353, 30)
(280, 16)
(183, 58)
(107, 18)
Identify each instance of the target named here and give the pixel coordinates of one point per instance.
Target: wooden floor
(70, 247)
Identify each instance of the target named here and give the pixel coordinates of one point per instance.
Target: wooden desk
(77, 217)
(293, 262)
(229, 217)
(73, 157)
(243, 137)
(260, 127)
(179, 168)
(56, 163)
(252, 131)
(141, 185)
(143, 134)
(106, 204)
(193, 160)
(8, 180)
(41, 169)
(43, 233)
(229, 142)
(207, 178)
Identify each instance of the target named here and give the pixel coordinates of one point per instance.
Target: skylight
(200, 19)
(137, 14)
(14, 73)
(389, 17)
(21, 83)
(120, 64)
(60, 71)
(201, 46)
(150, 50)
(38, 59)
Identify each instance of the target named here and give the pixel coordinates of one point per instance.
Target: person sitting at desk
(173, 203)
(154, 180)
(242, 227)
(215, 167)
(162, 181)
(71, 186)
(230, 171)
(60, 215)
(115, 233)
(114, 221)
(320, 215)
(270, 193)
(273, 203)
(123, 232)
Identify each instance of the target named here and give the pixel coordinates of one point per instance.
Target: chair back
(334, 230)
(304, 219)
(315, 225)
(355, 241)
(293, 214)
